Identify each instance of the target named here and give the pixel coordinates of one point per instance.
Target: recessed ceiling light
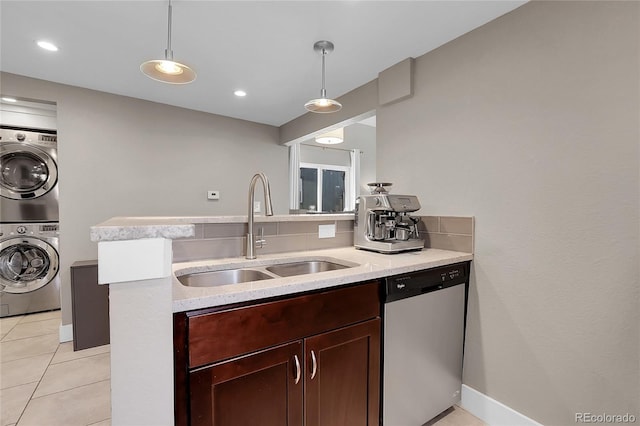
(47, 46)
(6, 99)
(240, 93)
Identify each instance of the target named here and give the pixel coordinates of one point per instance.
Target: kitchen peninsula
(136, 258)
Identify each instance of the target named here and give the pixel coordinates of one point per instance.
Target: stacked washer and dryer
(29, 260)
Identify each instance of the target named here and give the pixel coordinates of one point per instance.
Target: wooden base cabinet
(328, 376)
(343, 381)
(262, 388)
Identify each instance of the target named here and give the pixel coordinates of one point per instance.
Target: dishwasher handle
(415, 283)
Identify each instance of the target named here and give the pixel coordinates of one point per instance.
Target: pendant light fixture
(331, 138)
(167, 70)
(323, 104)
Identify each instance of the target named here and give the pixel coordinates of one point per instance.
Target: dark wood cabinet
(260, 388)
(306, 360)
(343, 376)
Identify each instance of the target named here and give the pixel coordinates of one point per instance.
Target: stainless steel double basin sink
(264, 272)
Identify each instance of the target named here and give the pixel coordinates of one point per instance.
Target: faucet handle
(261, 242)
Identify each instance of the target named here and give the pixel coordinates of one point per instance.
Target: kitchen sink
(228, 276)
(257, 273)
(302, 268)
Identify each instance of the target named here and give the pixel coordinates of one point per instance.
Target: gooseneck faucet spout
(268, 210)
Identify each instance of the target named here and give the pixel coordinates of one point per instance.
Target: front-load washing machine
(29, 268)
(28, 175)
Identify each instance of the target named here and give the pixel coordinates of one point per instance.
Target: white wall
(531, 124)
(121, 156)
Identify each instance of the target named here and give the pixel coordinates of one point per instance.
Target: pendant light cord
(323, 91)
(167, 70)
(168, 54)
(323, 104)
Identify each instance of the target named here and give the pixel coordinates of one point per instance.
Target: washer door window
(26, 264)
(26, 172)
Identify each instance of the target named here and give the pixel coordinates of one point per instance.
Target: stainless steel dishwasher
(424, 317)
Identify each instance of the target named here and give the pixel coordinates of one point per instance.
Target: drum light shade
(323, 104)
(331, 138)
(167, 70)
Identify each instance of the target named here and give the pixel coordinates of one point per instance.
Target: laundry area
(29, 212)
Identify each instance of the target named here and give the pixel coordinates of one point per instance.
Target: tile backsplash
(448, 232)
(220, 240)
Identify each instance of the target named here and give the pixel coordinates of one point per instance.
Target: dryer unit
(28, 176)
(29, 268)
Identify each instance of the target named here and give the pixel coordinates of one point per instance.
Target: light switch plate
(213, 195)
(327, 231)
(256, 206)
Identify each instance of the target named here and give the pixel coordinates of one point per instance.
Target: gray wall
(356, 136)
(363, 137)
(359, 102)
(121, 156)
(531, 124)
(324, 155)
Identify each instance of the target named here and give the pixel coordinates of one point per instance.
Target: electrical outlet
(256, 206)
(213, 195)
(327, 231)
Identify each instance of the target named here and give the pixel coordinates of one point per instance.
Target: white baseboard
(492, 412)
(66, 333)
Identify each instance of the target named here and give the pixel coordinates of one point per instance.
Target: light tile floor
(455, 416)
(45, 383)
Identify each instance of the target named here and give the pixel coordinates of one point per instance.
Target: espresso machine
(383, 224)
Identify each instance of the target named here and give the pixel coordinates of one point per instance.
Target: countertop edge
(104, 232)
(371, 266)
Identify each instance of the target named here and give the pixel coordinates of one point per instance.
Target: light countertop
(366, 266)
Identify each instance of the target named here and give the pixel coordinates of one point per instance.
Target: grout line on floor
(100, 421)
(30, 356)
(76, 359)
(17, 386)
(67, 390)
(28, 337)
(9, 331)
(36, 388)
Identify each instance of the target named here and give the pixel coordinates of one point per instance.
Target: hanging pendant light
(167, 70)
(331, 138)
(323, 104)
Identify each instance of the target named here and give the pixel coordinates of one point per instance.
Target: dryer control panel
(27, 229)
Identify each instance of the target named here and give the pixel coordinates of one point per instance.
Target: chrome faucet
(268, 211)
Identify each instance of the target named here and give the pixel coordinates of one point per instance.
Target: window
(324, 187)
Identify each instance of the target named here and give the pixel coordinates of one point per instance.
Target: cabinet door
(342, 383)
(261, 388)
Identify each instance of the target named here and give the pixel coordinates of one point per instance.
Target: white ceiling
(262, 47)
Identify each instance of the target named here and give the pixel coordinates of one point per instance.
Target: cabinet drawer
(224, 334)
